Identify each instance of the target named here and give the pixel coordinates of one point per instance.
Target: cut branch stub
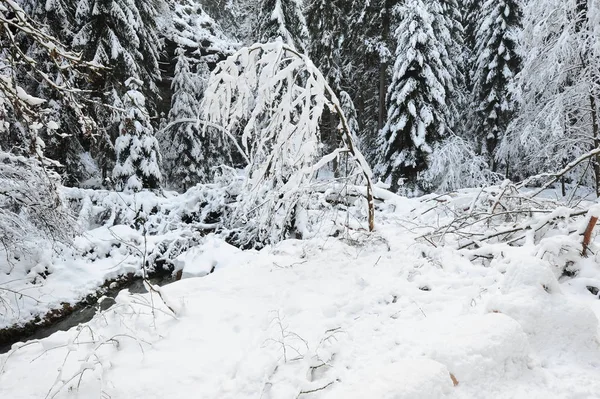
(587, 235)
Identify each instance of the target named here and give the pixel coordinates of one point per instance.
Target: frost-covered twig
(284, 338)
(555, 176)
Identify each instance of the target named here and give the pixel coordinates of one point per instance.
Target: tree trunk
(335, 142)
(385, 32)
(382, 95)
(596, 138)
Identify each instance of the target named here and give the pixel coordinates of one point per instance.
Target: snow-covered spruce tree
(199, 43)
(57, 16)
(282, 19)
(30, 206)
(368, 53)
(67, 143)
(267, 100)
(22, 110)
(557, 92)
(181, 143)
(450, 26)
(423, 79)
(230, 15)
(328, 25)
(122, 35)
(495, 63)
(470, 13)
(136, 147)
(192, 28)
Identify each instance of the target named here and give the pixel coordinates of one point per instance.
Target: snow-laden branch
(207, 124)
(14, 22)
(268, 99)
(555, 176)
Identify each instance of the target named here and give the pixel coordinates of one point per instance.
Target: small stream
(82, 313)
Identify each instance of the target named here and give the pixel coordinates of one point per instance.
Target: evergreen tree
(136, 148)
(67, 142)
(193, 29)
(283, 19)
(230, 15)
(197, 44)
(368, 53)
(181, 143)
(122, 35)
(470, 16)
(327, 22)
(495, 63)
(418, 96)
(57, 16)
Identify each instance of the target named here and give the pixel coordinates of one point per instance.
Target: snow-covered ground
(371, 316)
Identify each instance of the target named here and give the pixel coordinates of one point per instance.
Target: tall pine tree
(122, 35)
(136, 148)
(181, 143)
(495, 63)
(328, 24)
(423, 78)
(368, 53)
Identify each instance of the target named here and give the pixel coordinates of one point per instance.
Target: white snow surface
(374, 316)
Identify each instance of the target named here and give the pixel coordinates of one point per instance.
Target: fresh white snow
(368, 316)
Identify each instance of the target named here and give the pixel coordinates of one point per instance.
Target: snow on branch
(270, 99)
(30, 207)
(14, 21)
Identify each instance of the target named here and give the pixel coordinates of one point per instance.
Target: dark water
(86, 313)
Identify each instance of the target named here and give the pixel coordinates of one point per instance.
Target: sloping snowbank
(324, 319)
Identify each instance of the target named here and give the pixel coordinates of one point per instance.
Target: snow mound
(532, 275)
(405, 379)
(206, 258)
(531, 295)
(471, 346)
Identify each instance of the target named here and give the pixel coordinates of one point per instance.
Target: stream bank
(71, 315)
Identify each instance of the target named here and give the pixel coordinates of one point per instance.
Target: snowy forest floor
(382, 315)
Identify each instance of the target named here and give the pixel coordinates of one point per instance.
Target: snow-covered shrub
(454, 164)
(30, 207)
(147, 225)
(268, 101)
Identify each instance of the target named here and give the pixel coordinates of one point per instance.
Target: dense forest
(441, 94)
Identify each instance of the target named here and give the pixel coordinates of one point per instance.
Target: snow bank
(471, 346)
(404, 379)
(531, 294)
(315, 319)
(352, 316)
(212, 254)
